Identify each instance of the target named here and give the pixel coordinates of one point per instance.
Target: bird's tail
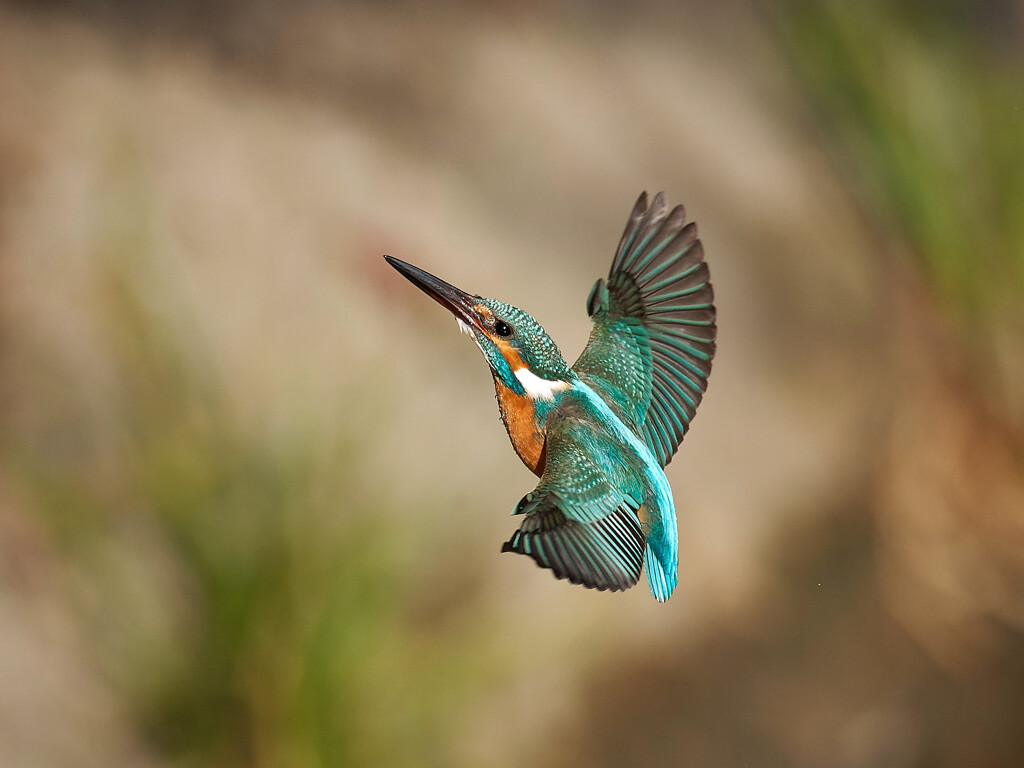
(660, 566)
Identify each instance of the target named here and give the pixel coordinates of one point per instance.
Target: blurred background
(253, 485)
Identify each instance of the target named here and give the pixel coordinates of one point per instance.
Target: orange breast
(520, 419)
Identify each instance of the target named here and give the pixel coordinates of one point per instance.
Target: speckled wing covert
(653, 337)
(577, 523)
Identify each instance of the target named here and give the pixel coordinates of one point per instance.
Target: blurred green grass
(294, 642)
(924, 108)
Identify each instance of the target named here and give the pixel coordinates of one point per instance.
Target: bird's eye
(502, 328)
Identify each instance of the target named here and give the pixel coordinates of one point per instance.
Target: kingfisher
(599, 433)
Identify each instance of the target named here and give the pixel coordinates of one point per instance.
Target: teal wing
(577, 522)
(653, 337)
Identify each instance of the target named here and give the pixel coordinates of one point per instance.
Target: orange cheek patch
(511, 355)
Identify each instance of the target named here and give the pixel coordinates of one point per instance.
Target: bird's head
(520, 353)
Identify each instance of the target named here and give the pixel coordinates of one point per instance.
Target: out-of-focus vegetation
(924, 106)
(244, 595)
(252, 486)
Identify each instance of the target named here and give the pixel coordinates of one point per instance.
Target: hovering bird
(599, 434)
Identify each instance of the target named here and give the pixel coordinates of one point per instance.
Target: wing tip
(606, 581)
(606, 555)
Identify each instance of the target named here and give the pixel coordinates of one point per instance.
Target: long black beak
(460, 303)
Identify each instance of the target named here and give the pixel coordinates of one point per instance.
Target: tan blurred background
(253, 485)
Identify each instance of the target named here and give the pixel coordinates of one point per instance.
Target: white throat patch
(538, 388)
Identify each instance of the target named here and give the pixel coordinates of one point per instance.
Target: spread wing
(577, 522)
(653, 337)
